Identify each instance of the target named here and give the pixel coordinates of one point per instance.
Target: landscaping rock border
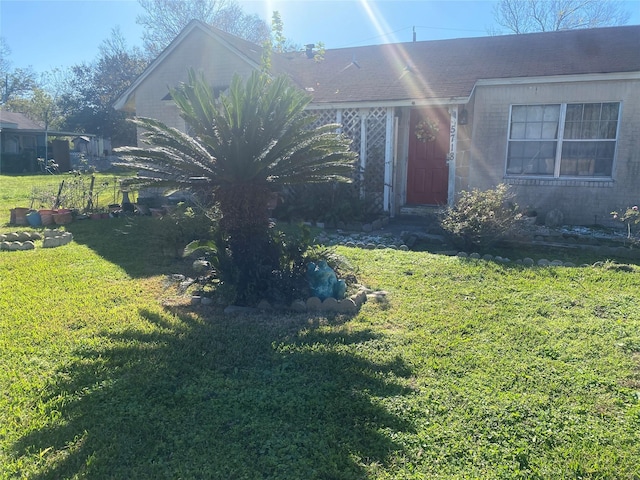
(25, 240)
(349, 306)
(527, 262)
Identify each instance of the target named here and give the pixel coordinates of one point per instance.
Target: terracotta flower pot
(46, 216)
(19, 215)
(62, 218)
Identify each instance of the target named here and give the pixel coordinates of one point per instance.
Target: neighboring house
(556, 115)
(23, 142)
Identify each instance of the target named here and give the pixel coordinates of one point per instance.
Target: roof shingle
(450, 68)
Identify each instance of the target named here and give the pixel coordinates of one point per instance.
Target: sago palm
(243, 146)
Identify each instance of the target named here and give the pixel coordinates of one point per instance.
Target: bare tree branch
(165, 19)
(524, 16)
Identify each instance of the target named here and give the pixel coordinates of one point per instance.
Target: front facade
(430, 119)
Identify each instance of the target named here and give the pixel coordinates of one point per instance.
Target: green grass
(468, 369)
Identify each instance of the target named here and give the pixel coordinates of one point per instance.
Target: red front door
(428, 172)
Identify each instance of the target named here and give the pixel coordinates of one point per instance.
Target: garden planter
(34, 219)
(46, 216)
(19, 216)
(62, 218)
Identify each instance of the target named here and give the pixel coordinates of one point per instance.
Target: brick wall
(582, 201)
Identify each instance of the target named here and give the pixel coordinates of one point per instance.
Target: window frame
(560, 141)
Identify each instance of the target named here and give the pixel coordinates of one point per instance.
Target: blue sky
(46, 34)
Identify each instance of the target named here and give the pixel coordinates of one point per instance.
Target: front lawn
(464, 369)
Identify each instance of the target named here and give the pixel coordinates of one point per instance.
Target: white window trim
(559, 141)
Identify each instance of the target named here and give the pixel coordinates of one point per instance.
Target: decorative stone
(24, 236)
(313, 303)
(462, 254)
(200, 265)
(329, 305)
(556, 263)
(36, 236)
(50, 242)
(475, 255)
(12, 237)
(404, 248)
(3, 238)
(4, 245)
(13, 246)
(350, 244)
(370, 246)
(379, 296)
(237, 310)
(554, 218)
(569, 264)
(528, 261)
(298, 306)
(381, 246)
(543, 262)
(28, 245)
(323, 281)
(264, 305)
(393, 247)
(361, 297)
(487, 257)
(347, 306)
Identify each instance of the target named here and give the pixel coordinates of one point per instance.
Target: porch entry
(427, 169)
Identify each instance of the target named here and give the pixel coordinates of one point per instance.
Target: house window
(568, 140)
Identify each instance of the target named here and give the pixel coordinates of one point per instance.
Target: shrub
(481, 218)
(328, 202)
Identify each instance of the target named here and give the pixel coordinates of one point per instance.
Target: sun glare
(407, 74)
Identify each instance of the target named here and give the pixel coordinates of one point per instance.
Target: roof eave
(416, 102)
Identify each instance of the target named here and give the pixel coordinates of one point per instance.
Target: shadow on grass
(142, 246)
(227, 398)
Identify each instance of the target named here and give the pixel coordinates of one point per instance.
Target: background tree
(93, 87)
(165, 19)
(39, 106)
(524, 16)
(15, 83)
(242, 147)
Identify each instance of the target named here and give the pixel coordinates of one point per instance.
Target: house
(556, 115)
(23, 142)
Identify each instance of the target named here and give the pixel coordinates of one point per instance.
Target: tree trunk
(245, 223)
